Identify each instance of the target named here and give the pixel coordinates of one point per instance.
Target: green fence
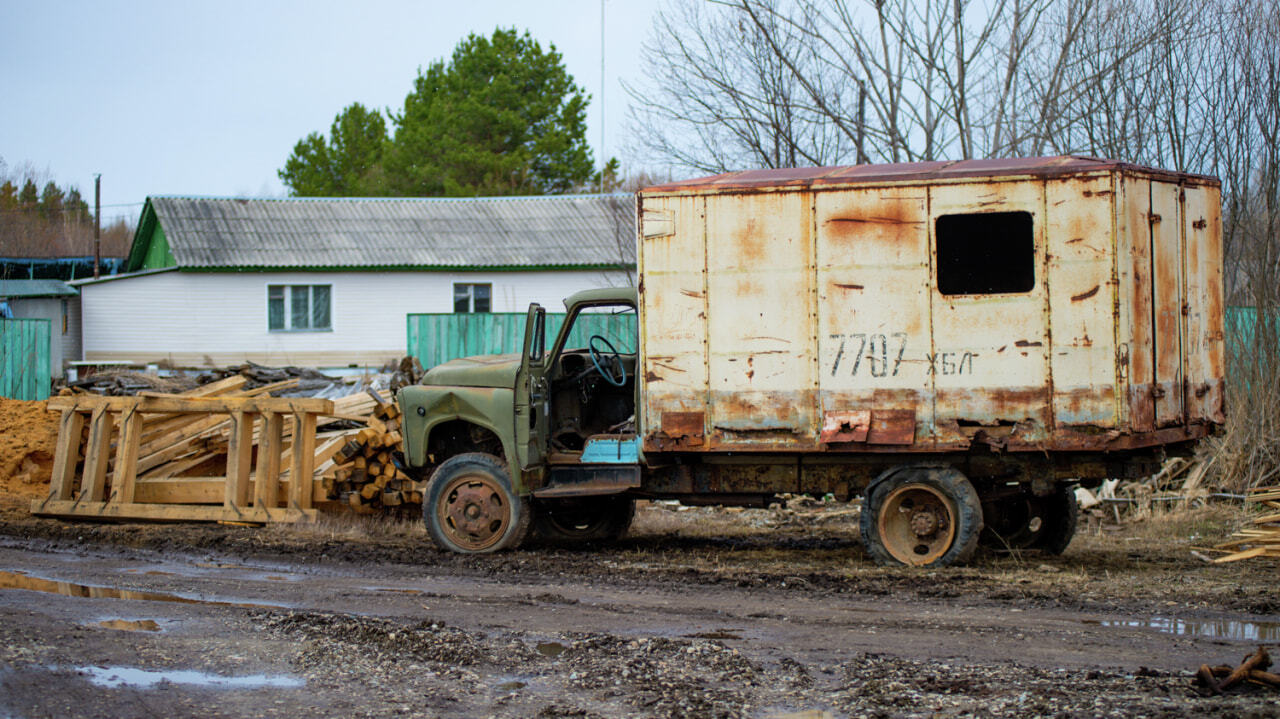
(24, 359)
(437, 338)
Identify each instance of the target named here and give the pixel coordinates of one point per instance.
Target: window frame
(471, 297)
(287, 301)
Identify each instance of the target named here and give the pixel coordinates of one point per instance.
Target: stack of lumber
(369, 468)
(1263, 538)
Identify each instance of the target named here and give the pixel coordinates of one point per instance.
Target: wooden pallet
(107, 484)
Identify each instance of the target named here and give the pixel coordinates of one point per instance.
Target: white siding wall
(194, 319)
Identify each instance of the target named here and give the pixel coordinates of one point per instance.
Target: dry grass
(350, 527)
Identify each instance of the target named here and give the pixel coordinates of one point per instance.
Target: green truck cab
(542, 440)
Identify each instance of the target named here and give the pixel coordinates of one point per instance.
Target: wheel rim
(474, 512)
(917, 524)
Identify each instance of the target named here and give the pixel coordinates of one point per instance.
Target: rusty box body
(1047, 305)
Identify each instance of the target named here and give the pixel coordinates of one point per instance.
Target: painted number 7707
(883, 353)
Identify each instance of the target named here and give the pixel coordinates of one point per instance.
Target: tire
(921, 516)
(470, 507)
(1026, 521)
(1059, 522)
(583, 519)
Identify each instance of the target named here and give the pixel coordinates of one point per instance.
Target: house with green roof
(328, 282)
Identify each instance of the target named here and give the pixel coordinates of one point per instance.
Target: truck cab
(545, 440)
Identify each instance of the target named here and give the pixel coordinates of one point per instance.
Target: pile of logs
(369, 468)
(1263, 538)
(1216, 680)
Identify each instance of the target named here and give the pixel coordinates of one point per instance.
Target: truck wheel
(1059, 521)
(583, 519)
(470, 507)
(921, 516)
(1029, 522)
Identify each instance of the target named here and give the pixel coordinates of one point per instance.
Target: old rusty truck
(959, 343)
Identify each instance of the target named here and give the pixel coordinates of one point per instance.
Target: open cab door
(533, 400)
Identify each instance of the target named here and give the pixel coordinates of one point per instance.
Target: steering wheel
(613, 358)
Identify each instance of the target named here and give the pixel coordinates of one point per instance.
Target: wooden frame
(250, 492)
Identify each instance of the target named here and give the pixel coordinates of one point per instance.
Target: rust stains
(892, 426)
(1086, 295)
(1028, 343)
(692, 293)
(848, 286)
(845, 426)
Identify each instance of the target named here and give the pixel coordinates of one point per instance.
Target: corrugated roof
(557, 230)
(36, 288)
(907, 172)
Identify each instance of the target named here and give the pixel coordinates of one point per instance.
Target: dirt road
(700, 613)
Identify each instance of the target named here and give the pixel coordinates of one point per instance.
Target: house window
(986, 253)
(299, 307)
(471, 297)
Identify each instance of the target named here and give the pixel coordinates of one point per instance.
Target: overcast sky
(209, 98)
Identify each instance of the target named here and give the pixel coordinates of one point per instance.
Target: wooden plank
(177, 443)
(267, 476)
(70, 431)
(177, 467)
(173, 512)
(172, 404)
(304, 455)
(239, 460)
(98, 449)
(126, 471)
(1246, 554)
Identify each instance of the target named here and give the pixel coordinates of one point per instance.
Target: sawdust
(28, 437)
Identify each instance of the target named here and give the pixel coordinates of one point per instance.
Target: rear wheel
(471, 508)
(580, 519)
(921, 516)
(1026, 521)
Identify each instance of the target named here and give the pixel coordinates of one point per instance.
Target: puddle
(1210, 628)
(21, 580)
(115, 677)
(550, 649)
(128, 625)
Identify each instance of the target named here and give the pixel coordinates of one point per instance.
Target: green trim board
(402, 268)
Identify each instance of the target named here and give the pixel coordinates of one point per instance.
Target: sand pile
(28, 437)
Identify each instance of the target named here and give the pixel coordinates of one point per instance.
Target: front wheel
(471, 508)
(922, 517)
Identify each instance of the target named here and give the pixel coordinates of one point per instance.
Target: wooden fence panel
(24, 359)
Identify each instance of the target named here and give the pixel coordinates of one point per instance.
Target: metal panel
(673, 311)
(990, 364)
(1204, 348)
(761, 338)
(24, 359)
(873, 309)
(437, 338)
(1166, 272)
(1082, 249)
(1136, 332)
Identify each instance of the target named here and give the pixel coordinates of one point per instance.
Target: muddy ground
(699, 613)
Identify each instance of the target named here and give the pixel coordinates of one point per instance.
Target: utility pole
(603, 161)
(97, 223)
